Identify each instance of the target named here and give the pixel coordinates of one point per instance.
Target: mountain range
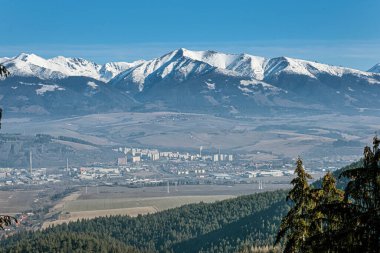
(185, 81)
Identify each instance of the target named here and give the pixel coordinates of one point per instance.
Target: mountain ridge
(239, 63)
(185, 81)
(61, 67)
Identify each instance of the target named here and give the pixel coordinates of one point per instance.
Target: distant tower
(200, 151)
(176, 183)
(168, 189)
(260, 185)
(30, 162)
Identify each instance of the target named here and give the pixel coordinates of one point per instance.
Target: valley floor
(108, 201)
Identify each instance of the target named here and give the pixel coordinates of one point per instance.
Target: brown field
(309, 136)
(72, 210)
(12, 202)
(115, 192)
(158, 203)
(74, 216)
(60, 205)
(107, 201)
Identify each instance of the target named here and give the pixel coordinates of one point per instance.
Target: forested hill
(225, 226)
(341, 182)
(68, 242)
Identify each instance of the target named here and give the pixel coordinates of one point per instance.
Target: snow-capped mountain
(188, 81)
(183, 63)
(185, 79)
(175, 65)
(61, 67)
(375, 69)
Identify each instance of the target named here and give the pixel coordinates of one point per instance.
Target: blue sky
(339, 32)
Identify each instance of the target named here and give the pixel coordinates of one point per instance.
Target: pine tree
(360, 210)
(3, 71)
(295, 225)
(322, 220)
(350, 223)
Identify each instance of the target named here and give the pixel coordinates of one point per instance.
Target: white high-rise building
(155, 156)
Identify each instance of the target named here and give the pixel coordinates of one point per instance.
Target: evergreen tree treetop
(3, 71)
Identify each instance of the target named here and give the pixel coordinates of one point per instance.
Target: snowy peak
(179, 64)
(32, 65)
(61, 67)
(213, 58)
(276, 66)
(243, 64)
(112, 69)
(75, 67)
(182, 64)
(30, 57)
(375, 69)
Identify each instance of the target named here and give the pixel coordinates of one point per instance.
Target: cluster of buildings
(137, 165)
(104, 172)
(16, 176)
(267, 173)
(90, 173)
(134, 155)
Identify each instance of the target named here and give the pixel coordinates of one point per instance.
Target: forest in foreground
(225, 226)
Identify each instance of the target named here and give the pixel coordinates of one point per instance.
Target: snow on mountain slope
(260, 67)
(375, 69)
(3, 59)
(46, 87)
(183, 63)
(308, 68)
(176, 64)
(244, 64)
(111, 69)
(61, 67)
